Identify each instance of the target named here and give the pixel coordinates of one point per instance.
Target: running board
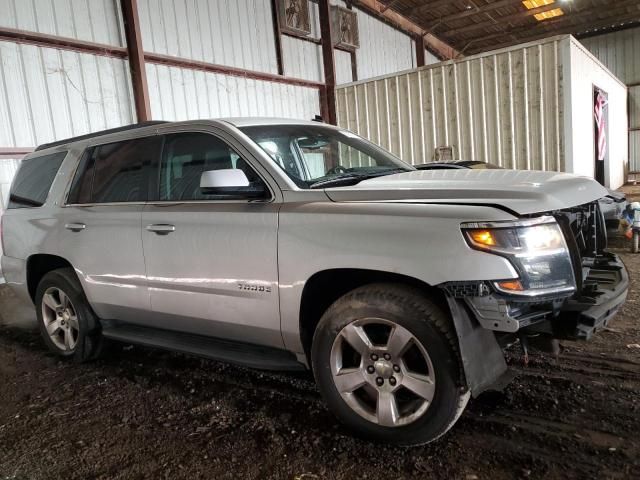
(247, 355)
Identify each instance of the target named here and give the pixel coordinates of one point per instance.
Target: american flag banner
(601, 134)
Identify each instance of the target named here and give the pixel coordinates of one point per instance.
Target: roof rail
(133, 126)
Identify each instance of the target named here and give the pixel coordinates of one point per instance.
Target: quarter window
(186, 156)
(33, 180)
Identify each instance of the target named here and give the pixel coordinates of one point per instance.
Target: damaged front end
(568, 286)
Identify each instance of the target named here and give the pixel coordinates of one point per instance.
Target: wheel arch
(326, 286)
(38, 265)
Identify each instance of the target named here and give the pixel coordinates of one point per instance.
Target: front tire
(65, 319)
(385, 360)
(635, 242)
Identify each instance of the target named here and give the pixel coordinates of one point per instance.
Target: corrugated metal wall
(8, 168)
(92, 20)
(48, 94)
(237, 33)
(302, 59)
(620, 52)
(585, 72)
(430, 58)
(383, 49)
(344, 73)
(182, 94)
(504, 108)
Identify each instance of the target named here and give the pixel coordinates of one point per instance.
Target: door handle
(75, 227)
(161, 228)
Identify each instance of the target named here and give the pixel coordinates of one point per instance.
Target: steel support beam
(328, 60)
(420, 60)
(275, 14)
(136, 59)
(64, 43)
(14, 152)
(160, 59)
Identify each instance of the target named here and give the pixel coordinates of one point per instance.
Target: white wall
(183, 94)
(585, 73)
(383, 49)
(620, 52)
(48, 94)
(95, 20)
(237, 33)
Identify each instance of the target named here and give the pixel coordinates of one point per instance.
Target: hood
(523, 191)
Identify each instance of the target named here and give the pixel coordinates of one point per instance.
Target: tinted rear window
(115, 172)
(33, 181)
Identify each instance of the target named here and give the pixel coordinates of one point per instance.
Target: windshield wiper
(352, 178)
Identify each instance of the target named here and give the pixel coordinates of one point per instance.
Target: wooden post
(419, 51)
(136, 59)
(275, 13)
(328, 62)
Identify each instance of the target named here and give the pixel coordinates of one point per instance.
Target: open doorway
(601, 133)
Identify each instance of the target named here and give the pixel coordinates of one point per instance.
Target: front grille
(586, 235)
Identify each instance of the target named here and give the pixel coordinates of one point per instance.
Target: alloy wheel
(382, 371)
(60, 319)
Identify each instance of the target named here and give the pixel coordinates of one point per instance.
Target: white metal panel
(185, 94)
(634, 106)
(92, 20)
(430, 58)
(48, 94)
(620, 53)
(237, 33)
(344, 73)
(8, 169)
(302, 59)
(587, 72)
(383, 49)
(634, 151)
(504, 107)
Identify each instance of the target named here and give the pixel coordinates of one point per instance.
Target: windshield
(314, 156)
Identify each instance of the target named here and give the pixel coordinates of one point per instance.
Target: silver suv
(287, 245)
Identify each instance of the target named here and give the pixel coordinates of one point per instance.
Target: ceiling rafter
(502, 20)
(543, 31)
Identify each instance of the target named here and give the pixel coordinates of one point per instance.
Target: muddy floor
(139, 413)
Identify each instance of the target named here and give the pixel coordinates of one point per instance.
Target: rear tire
(385, 360)
(65, 319)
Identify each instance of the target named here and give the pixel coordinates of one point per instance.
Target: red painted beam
(51, 41)
(329, 92)
(14, 152)
(275, 15)
(226, 70)
(136, 59)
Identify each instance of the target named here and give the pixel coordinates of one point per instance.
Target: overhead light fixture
(536, 3)
(556, 12)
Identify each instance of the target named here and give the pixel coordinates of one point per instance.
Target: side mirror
(230, 183)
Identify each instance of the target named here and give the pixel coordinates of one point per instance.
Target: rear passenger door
(211, 262)
(102, 234)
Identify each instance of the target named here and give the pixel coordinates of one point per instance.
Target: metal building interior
(511, 83)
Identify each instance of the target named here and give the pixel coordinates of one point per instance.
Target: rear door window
(115, 172)
(32, 183)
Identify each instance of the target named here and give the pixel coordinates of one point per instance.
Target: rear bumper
(604, 292)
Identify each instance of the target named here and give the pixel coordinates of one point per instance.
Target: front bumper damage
(487, 319)
(482, 318)
(604, 290)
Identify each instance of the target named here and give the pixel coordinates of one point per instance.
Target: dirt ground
(140, 413)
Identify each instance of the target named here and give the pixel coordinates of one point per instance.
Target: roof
(475, 26)
(260, 121)
(235, 121)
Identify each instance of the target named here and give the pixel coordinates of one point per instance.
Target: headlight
(537, 250)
